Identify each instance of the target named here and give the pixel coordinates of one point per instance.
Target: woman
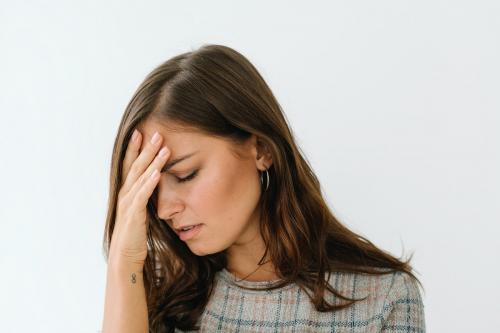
(217, 222)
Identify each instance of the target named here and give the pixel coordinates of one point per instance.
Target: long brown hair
(218, 91)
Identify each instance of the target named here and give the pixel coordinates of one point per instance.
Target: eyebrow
(174, 161)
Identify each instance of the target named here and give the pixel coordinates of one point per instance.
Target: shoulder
(403, 286)
(403, 306)
(379, 286)
(391, 302)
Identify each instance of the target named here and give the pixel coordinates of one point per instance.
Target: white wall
(395, 104)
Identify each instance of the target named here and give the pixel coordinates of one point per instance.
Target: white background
(395, 104)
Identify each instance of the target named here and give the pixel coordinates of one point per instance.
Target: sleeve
(404, 309)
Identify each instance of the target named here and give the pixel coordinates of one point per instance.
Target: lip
(187, 235)
(178, 230)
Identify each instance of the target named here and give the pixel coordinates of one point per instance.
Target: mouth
(185, 228)
(189, 232)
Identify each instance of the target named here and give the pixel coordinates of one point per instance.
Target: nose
(168, 202)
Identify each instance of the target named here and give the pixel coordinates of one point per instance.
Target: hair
(216, 90)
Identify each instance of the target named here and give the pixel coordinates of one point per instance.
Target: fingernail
(135, 135)
(155, 138)
(163, 151)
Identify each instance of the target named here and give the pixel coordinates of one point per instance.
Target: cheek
(224, 199)
(213, 193)
(227, 196)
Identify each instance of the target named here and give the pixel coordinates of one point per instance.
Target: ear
(261, 153)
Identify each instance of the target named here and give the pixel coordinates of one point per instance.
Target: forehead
(174, 135)
(178, 138)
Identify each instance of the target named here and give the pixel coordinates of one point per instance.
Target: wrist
(122, 263)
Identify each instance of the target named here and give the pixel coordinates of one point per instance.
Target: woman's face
(221, 193)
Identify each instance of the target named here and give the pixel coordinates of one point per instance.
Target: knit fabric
(394, 304)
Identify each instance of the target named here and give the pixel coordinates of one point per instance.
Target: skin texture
(223, 195)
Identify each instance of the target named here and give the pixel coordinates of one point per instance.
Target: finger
(140, 164)
(145, 186)
(157, 164)
(131, 154)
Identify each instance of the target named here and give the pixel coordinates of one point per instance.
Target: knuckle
(140, 180)
(137, 201)
(133, 168)
(134, 171)
(151, 151)
(124, 201)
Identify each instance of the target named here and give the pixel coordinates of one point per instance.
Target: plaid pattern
(394, 305)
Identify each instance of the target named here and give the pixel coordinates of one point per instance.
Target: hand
(129, 239)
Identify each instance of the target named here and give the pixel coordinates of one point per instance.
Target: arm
(125, 307)
(405, 309)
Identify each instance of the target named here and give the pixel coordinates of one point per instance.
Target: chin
(201, 250)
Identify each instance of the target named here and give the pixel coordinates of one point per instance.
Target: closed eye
(188, 178)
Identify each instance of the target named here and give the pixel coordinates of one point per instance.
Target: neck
(265, 272)
(243, 256)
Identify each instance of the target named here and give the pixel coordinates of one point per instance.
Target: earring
(267, 179)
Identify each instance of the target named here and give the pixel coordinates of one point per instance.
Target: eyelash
(188, 178)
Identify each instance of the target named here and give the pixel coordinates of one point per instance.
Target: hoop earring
(262, 179)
